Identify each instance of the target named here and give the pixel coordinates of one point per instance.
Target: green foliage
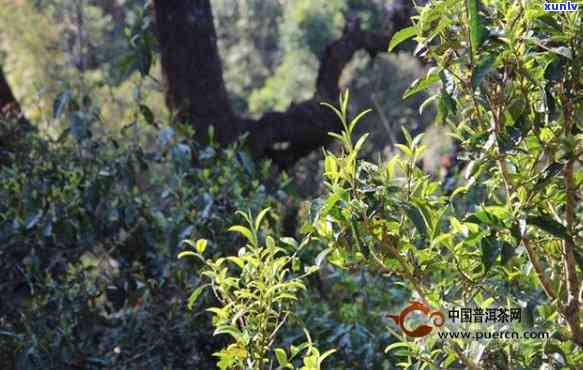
(503, 235)
(394, 219)
(306, 28)
(271, 49)
(91, 223)
(89, 232)
(256, 290)
(58, 46)
(508, 234)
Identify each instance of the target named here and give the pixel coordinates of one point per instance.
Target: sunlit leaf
(421, 84)
(260, 218)
(194, 296)
(401, 36)
(243, 231)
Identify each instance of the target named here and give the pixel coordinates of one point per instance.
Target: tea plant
(505, 232)
(256, 290)
(509, 234)
(89, 232)
(512, 92)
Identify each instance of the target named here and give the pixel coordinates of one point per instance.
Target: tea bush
(505, 232)
(89, 232)
(511, 94)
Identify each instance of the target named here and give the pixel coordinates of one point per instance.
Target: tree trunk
(192, 67)
(8, 104)
(195, 89)
(13, 125)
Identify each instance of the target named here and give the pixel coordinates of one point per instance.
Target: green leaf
(402, 35)
(289, 241)
(243, 231)
(405, 149)
(458, 190)
(294, 350)
(201, 245)
(186, 253)
(478, 32)
(260, 218)
(488, 216)
(148, 115)
(549, 225)
(335, 110)
(281, 356)
(324, 355)
(344, 99)
(397, 345)
(194, 296)
(446, 106)
(360, 142)
(336, 136)
(563, 51)
(491, 248)
(230, 330)
(225, 361)
(330, 165)
(330, 203)
(482, 70)
(417, 218)
(421, 84)
(357, 119)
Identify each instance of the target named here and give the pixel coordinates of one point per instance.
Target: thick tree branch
(304, 127)
(340, 52)
(196, 90)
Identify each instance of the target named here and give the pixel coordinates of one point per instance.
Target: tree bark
(195, 89)
(13, 125)
(8, 104)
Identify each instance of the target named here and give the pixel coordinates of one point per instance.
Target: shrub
(255, 290)
(507, 235)
(89, 233)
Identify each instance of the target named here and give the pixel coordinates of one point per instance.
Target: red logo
(438, 319)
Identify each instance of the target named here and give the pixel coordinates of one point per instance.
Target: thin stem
(406, 273)
(533, 257)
